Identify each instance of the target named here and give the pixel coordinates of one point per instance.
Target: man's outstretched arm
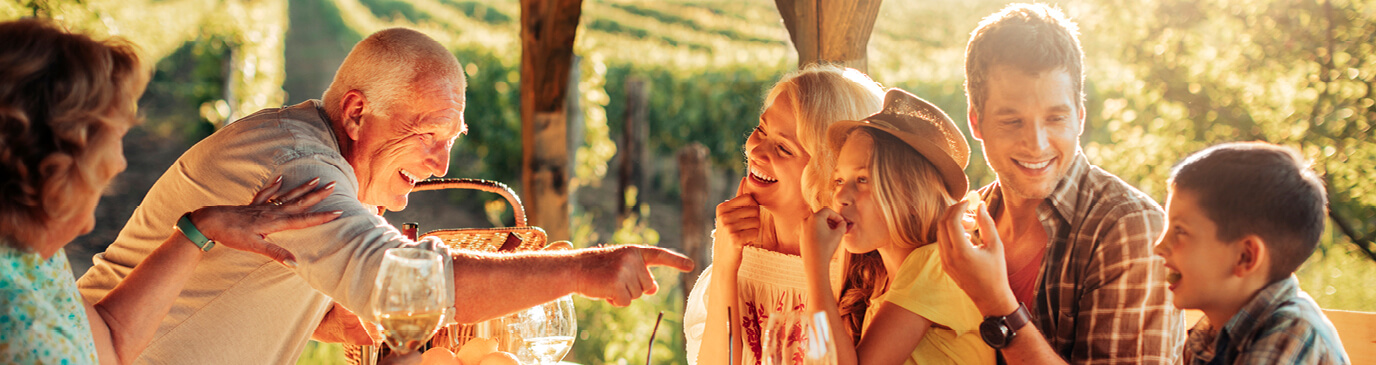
(488, 285)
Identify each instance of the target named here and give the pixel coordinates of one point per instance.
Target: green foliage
(478, 10)
(1178, 76)
(612, 335)
(594, 148)
(321, 353)
(1337, 276)
(397, 9)
(670, 18)
(192, 76)
(491, 149)
(717, 108)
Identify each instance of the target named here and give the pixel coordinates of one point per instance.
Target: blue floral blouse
(42, 318)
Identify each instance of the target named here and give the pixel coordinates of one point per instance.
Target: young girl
(895, 172)
(756, 269)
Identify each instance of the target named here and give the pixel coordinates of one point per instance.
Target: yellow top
(922, 287)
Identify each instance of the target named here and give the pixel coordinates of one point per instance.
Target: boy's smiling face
(1202, 268)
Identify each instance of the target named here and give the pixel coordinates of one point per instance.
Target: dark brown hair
(58, 92)
(1031, 38)
(1257, 188)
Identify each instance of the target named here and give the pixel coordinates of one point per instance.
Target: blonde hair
(822, 95)
(390, 66)
(59, 91)
(911, 195)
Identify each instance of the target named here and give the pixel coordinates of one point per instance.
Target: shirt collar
(1063, 199)
(1265, 302)
(328, 124)
(1066, 196)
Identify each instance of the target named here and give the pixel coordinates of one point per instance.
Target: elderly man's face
(401, 144)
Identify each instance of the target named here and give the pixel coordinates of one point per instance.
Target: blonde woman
(895, 173)
(757, 270)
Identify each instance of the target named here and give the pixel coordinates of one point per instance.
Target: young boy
(1241, 217)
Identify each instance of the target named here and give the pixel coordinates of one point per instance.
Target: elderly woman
(66, 101)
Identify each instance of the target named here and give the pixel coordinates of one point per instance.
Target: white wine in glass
(408, 330)
(547, 330)
(408, 299)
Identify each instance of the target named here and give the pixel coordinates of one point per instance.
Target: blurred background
(1163, 78)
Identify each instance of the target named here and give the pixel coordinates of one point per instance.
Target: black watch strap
(999, 331)
(1018, 318)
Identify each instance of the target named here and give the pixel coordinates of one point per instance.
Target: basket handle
(490, 186)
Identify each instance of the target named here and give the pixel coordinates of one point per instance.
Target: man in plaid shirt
(1060, 243)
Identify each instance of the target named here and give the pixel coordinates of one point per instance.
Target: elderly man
(388, 120)
(1066, 246)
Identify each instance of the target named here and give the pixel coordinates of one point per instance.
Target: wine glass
(408, 301)
(546, 331)
(819, 347)
(779, 337)
(793, 337)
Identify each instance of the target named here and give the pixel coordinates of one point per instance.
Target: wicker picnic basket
(521, 237)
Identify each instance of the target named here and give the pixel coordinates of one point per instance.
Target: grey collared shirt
(243, 308)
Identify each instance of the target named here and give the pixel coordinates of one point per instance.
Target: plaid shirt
(1102, 296)
(1281, 325)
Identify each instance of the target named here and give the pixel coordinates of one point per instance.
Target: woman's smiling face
(775, 159)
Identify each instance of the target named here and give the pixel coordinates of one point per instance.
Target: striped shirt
(1101, 295)
(1280, 325)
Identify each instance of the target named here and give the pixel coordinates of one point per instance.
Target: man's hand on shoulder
(620, 274)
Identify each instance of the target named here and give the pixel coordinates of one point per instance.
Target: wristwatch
(998, 331)
(189, 230)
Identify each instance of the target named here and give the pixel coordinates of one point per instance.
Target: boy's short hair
(1031, 38)
(1262, 189)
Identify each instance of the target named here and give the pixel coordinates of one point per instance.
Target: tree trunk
(547, 33)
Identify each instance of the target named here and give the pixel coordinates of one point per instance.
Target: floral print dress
(768, 284)
(42, 317)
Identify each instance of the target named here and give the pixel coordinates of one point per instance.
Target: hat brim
(952, 175)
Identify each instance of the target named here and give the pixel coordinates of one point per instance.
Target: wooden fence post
(634, 154)
(697, 217)
(575, 130)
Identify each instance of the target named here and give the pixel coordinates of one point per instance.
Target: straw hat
(924, 127)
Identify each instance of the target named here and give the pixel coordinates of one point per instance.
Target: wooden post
(831, 31)
(697, 217)
(547, 33)
(576, 131)
(634, 155)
